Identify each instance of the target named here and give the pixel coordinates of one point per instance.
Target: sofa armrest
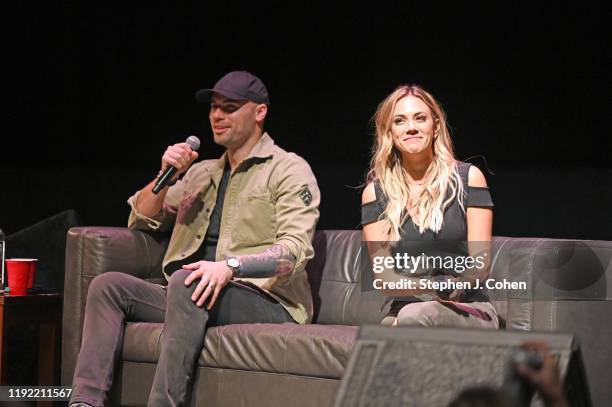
(91, 251)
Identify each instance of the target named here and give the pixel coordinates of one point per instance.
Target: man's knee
(177, 279)
(176, 285)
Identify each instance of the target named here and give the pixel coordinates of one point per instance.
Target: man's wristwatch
(234, 265)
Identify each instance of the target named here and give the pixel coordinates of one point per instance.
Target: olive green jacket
(272, 198)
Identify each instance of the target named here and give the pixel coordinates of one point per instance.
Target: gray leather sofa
(301, 365)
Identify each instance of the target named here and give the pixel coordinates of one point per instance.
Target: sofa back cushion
(555, 270)
(334, 278)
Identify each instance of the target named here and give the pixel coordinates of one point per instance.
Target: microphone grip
(164, 180)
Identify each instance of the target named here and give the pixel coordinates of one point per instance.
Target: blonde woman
(418, 192)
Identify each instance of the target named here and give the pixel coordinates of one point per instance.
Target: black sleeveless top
(454, 227)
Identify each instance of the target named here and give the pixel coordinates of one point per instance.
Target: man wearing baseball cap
(241, 236)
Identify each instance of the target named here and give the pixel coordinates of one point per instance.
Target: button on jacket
(272, 198)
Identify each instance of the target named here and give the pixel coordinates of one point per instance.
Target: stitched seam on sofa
(574, 299)
(356, 271)
(531, 266)
(158, 342)
(498, 254)
(530, 306)
(553, 308)
(285, 348)
(339, 281)
(147, 252)
(135, 362)
(553, 314)
(80, 310)
(219, 377)
(226, 369)
(220, 330)
(345, 302)
(79, 266)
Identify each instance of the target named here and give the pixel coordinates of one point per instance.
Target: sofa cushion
(308, 350)
(334, 275)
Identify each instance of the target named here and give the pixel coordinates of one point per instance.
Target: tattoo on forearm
(274, 261)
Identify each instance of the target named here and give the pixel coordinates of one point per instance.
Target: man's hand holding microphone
(176, 160)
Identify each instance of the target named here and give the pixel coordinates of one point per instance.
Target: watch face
(234, 263)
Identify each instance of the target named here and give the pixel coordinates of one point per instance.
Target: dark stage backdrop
(95, 93)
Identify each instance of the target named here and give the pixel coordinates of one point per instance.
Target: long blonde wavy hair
(386, 167)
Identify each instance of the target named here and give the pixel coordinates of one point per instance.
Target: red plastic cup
(21, 274)
(32, 276)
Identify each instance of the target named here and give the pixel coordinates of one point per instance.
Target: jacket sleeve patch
(306, 195)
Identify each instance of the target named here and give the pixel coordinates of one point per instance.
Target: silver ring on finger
(211, 285)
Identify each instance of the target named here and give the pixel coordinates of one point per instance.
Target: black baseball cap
(238, 85)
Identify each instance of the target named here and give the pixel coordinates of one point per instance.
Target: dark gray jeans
(115, 298)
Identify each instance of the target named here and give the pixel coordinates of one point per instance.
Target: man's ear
(260, 112)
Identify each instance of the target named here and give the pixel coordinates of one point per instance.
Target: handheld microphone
(165, 178)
